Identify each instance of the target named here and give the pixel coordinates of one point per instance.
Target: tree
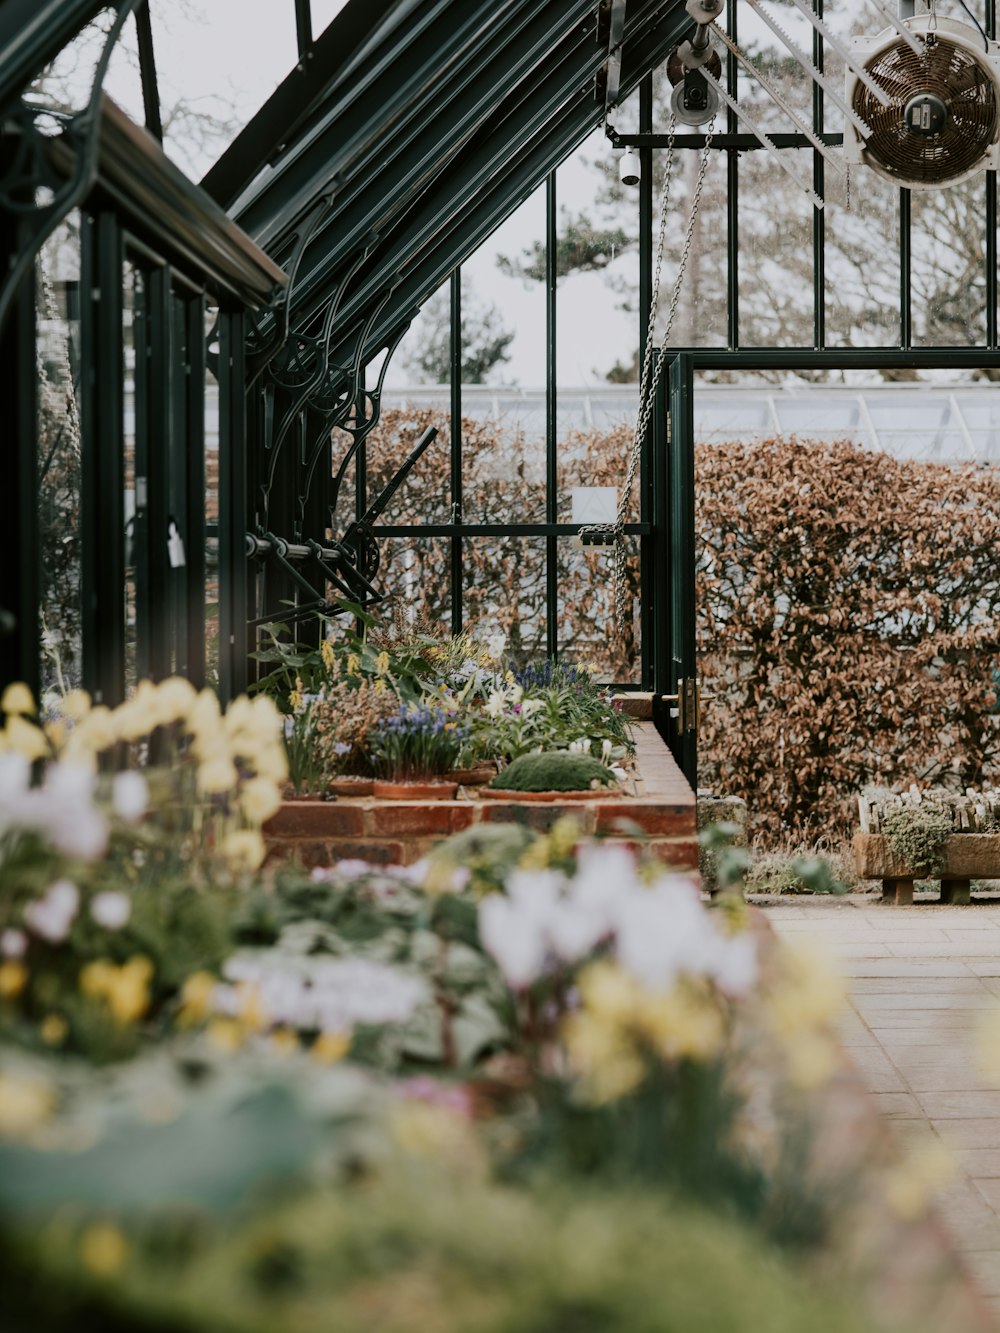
(485, 340)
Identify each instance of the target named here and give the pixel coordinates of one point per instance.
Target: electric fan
(942, 121)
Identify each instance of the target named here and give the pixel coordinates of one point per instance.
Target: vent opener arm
(745, 116)
(845, 54)
(800, 124)
(911, 40)
(811, 70)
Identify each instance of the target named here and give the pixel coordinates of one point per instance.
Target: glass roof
(933, 423)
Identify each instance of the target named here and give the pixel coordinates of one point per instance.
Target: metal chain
(647, 388)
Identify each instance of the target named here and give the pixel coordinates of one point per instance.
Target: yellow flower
(327, 653)
(217, 774)
(225, 1034)
(609, 992)
(353, 664)
(382, 663)
(103, 1249)
(26, 1102)
(259, 800)
(682, 1024)
(329, 1047)
(99, 729)
(251, 1011)
(176, 698)
(603, 1056)
(124, 989)
(196, 997)
(75, 705)
(13, 979)
(204, 714)
(272, 764)
(809, 994)
(295, 700)
(25, 738)
(285, 1041)
(56, 733)
(381, 687)
(53, 1029)
(811, 1058)
(17, 698)
(244, 849)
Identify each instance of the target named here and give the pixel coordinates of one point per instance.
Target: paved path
(921, 979)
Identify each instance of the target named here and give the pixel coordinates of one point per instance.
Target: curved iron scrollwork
(30, 189)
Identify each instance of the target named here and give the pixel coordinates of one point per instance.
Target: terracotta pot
(350, 786)
(414, 791)
(595, 794)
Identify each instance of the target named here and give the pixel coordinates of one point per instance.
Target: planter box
(967, 856)
(660, 817)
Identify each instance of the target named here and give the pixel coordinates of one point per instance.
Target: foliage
(469, 1258)
(566, 713)
(849, 607)
(485, 340)
(416, 743)
(804, 873)
(917, 836)
(554, 770)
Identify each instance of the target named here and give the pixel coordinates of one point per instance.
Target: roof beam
(32, 33)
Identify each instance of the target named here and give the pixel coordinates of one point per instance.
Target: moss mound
(554, 770)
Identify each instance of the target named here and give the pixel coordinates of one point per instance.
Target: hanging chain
(649, 383)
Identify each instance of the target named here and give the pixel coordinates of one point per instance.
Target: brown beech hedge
(848, 625)
(849, 604)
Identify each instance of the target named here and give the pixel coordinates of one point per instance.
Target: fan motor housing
(944, 122)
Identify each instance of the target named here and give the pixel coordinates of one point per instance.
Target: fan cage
(961, 81)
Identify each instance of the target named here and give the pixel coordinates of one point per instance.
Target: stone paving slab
(922, 980)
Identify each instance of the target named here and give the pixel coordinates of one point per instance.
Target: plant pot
(428, 790)
(350, 786)
(593, 794)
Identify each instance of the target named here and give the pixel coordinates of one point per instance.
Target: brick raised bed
(662, 817)
(967, 856)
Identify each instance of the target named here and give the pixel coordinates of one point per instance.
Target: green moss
(917, 836)
(555, 770)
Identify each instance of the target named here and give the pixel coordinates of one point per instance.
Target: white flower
(129, 796)
(496, 704)
(496, 645)
(52, 916)
(13, 943)
(606, 748)
(111, 910)
(15, 774)
(514, 937)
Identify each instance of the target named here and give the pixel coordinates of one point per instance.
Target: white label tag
(175, 548)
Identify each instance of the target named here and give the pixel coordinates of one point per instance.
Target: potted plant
(552, 775)
(412, 750)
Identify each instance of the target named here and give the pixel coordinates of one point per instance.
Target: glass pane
(775, 251)
(215, 70)
(59, 464)
(587, 631)
(424, 495)
(414, 573)
(948, 270)
(504, 589)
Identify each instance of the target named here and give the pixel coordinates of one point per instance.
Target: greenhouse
(500, 666)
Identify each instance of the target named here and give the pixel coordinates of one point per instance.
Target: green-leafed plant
(554, 770)
(416, 742)
(917, 835)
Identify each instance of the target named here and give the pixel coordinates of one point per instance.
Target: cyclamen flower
(111, 910)
(129, 796)
(52, 916)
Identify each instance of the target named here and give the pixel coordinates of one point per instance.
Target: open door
(678, 713)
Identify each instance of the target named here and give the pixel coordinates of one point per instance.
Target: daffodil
(196, 998)
(18, 699)
(259, 799)
(25, 738)
(243, 849)
(217, 774)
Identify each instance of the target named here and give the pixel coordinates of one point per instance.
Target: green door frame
(675, 665)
